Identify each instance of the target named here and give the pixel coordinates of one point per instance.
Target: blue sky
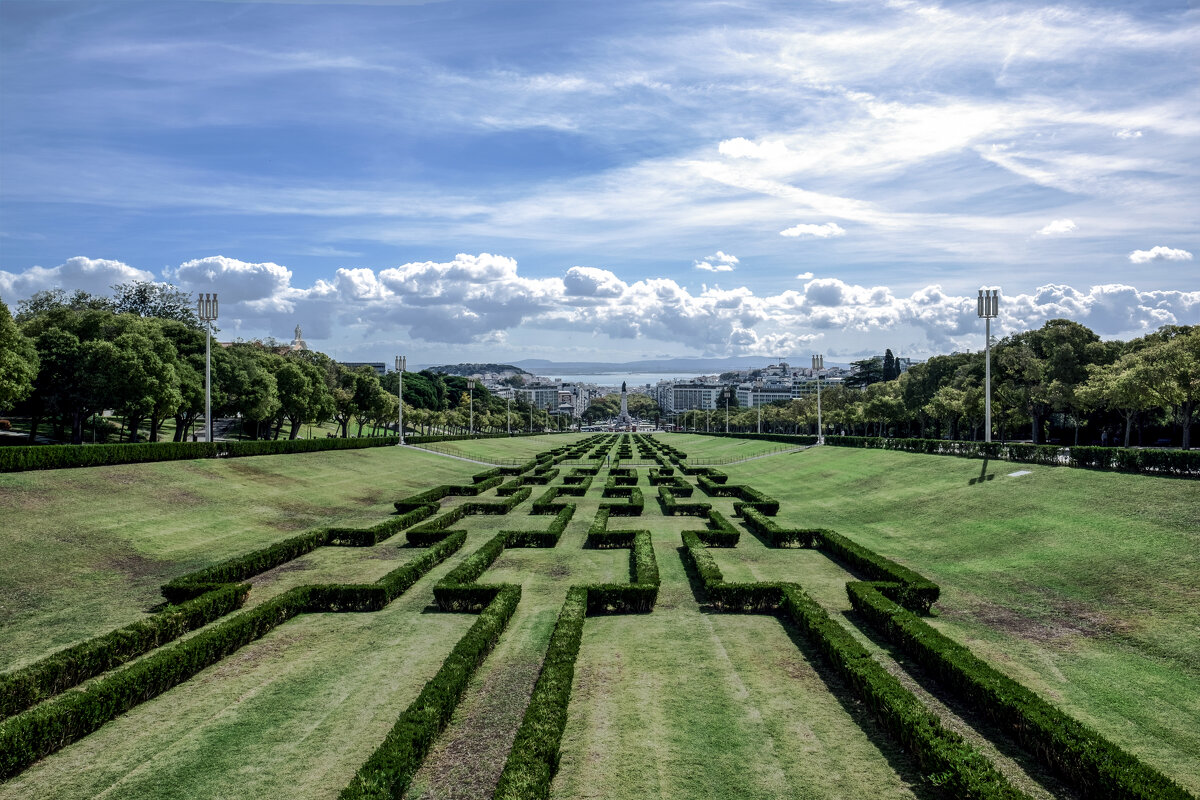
(579, 181)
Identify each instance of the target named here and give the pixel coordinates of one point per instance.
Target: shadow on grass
(978, 722)
(983, 474)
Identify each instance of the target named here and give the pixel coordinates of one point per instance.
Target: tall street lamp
(509, 415)
(727, 409)
(818, 363)
(471, 388)
(206, 310)
(401, 363)
(989, 308)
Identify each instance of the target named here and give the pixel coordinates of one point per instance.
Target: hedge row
(458, 591)
(950, 763)
(719, 532)
(533, 760)
(908, 588)
(671, 508)
(749, 496)
(776, 536)
(26, 687)
(240, 568)
(546, 538)
(63, 456)
(74, 714)
(641, 593)
(1182, 463)
(631, 509)
(1079, 754)
(389, 770)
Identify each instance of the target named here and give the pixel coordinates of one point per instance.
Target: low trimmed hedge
(907, 587)
(1098, 767)
(671, 508)
(534, 757)
(633, 508)
(776, 536)
(73, 714)
(546, 538)
(30, 685)
(719, 532)
(389, 770)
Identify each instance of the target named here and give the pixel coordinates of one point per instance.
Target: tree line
(140, 353)
(1059, 382)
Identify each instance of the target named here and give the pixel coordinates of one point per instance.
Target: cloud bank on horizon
(480, 300)
(761, 179)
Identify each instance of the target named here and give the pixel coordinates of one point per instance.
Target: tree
(865, 372)
(303, 396)
(18, 361)
(51, 300)
(891, 368)
(159, 300)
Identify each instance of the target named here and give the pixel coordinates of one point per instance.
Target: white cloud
(1159, 254)
(94, 275)
(234, 280)
(1128, 134)
(744, 148)
(1057, 226)
(804, 276)
(718, 262)
(825, 231)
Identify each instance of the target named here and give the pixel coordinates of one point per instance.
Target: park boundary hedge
(1177, 463)
(22, 458)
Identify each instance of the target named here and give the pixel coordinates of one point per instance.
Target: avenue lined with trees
(66, 358)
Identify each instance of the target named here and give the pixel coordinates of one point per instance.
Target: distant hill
(472, 369)
(684, 366)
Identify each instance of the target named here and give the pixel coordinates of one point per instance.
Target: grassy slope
(88, 548)
(505, 450)
(1084, 585)
(701, 449)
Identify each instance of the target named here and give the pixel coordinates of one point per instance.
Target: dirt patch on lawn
(1061, 621)
(132, 565)
(467, 762)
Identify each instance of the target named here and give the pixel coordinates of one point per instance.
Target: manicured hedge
(908, 588)
(1095, 765)
(671, 508)
(631, 509)
(72, 715)
(458, 591)
(546, 538)
(949, 763)
(1180, 463)
(389, 770)
(718, 531)
(776, 536)
(533, 760)
(25, 687)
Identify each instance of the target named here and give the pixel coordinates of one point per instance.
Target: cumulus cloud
(1057, 226)
(816, 231)
(1128, 134)
(235, 280)
(804, 276)
(93, 275)
(718, 262)
(1159, 254)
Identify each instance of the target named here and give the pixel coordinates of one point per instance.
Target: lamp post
(471, 402)
(508, 415)
(726, 409)
(206, 311)
(988, 308)
(401, 363)
(818, 363)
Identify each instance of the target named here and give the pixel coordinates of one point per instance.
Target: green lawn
(1088, 600)
(1083, 585)
(85, 550)
(715, 449)
(505, 450)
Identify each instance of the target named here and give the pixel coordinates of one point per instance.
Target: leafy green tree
(18, 361)
(158, 300)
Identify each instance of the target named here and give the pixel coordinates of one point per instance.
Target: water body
(634, 379)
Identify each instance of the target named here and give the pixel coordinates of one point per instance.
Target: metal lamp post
(818, 363)
(726, 409)
(508, 415)
(471, 388)
(206, 311)
(988, 308)
(758, 405)
(401, 363)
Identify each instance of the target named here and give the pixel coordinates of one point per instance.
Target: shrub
(905, 586)
(1091, 762)
(775, 535)
(389, 770)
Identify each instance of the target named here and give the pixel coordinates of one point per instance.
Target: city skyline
(499, 181)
